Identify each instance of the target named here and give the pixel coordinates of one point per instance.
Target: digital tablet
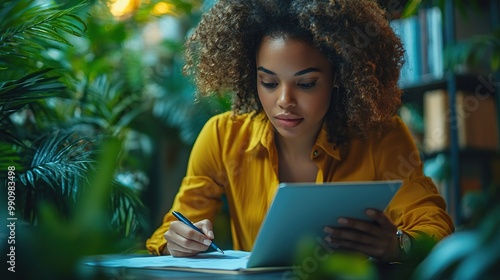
(302, 210)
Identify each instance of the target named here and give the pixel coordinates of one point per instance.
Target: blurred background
(97, 121)
(89, 86)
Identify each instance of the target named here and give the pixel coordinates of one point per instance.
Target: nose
(286, 98)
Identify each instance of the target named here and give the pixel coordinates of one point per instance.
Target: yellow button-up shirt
(237, 156)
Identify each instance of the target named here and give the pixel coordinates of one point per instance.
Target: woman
(315, 97)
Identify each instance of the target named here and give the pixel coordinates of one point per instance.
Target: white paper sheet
(230, 260)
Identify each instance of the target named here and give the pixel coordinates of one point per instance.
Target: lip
(287, 120)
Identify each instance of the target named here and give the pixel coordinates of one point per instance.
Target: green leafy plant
(473, 252)
(52, 121)
(59, 166)
(25, 25)
(54, 249)
(72, 76)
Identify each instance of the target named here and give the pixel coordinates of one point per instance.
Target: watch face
(406, 243)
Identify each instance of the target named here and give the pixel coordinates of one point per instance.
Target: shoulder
(218, 136)
(397, 133)
(395, 142)
(396, 145)
(395, 153)
(229, 121)
(392, 144)
(393, 132)
(230, 127)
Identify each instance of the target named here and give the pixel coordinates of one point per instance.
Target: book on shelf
(475, 118)
(422, 38)
(435, 43)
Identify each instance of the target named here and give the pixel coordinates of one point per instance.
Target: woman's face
(294, 84)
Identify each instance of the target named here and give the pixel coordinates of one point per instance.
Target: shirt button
(315, 153)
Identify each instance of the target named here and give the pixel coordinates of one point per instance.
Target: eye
(307, 85)
(268, 85)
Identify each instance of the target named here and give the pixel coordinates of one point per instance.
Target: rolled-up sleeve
(199, 195)
(417, 208)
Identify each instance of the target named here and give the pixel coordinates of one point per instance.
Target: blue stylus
(186, 221)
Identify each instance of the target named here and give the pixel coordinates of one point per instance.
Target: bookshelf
(421, 74)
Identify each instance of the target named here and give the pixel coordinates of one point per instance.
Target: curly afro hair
(355, 36)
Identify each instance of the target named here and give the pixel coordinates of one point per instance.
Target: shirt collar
(263, 131)
(328, 147)
(263, 127)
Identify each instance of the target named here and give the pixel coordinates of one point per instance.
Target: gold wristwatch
(404, 244)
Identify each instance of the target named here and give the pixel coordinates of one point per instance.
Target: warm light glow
(162, 8)
(122, 8)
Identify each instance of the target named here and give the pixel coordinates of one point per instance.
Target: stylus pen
(190, 224)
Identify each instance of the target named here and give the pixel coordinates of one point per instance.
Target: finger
(188, 233)
(182, 247)
(366, 249)
(349, 235)
(182, 244)
(186, 237)
(207, 228)
(380, 217)
(363, 226)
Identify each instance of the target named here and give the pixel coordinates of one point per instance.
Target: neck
(299, 147)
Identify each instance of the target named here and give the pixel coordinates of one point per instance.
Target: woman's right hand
(183, 241)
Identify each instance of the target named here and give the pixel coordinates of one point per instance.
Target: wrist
(165, 251)
(405, 243)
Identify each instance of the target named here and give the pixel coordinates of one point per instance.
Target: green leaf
(129, 212)
(10, 157)
(93, 202)
(411, 8)
(48, 34)
(26, 24)
(60, 162)
(495, 60)
(31, 88)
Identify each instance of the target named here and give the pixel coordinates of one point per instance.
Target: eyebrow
(302, 72)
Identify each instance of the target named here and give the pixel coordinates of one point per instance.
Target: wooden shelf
(466, 153)
(460, 159)
(466, 82)
(414, 93)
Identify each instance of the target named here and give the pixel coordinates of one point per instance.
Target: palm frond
(10, 157)
(7, 137)
(475, 50)
(18, 93)
(62, 162)
(26, 23)
(108, 106)
(133, 70)
(128, 211)
(175, 106)
(177, 110)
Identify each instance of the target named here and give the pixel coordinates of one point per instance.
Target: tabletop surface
(383, 271)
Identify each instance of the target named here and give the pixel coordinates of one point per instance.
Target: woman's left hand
(376, 239)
